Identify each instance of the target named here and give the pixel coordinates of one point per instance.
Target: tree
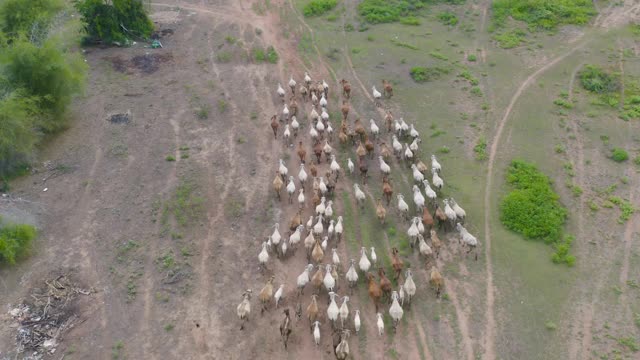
(20, 16)
(17, 135)
(114, 21)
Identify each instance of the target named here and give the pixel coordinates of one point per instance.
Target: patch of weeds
(116, 350)
(625, 206)
(272, 55)
(184, 156)
(630, 343)
(349, 27)
(636, 160)
(619, 155)
(318, 7)
(592, 205)
(224, 57)
(480, 149)
(333, 54)
(550, 325)
(438, 133)
(203, 112)
(132, 290)
(624, 180)
(563, 103)
(444, 150)
(162, 297)
(466, 74)
(561, 256)
(476, 91)
(222, 105)
(560, 149)
(166, 261)
(234, 208)
(576, 190)
(370, 38)
(404, 45)
(599, 81)
(410, 20)
(510, 38)
(438, 55)
(332, 17)
(448, 18)
(472, 58)
(168, 327)
(445, 297)
(241, 140)
(170, 158)
(230, 39)
(176, 236)
(185, 204)
(423, 74)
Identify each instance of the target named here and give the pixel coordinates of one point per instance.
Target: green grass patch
(439, 56)
(472, 58)
(510, 38)
(466, 74)
(318, 7)
(563, 103)
(424, 74)
(532, 208)
(405, 45)
(480, 149)
(265, 55)
(561, 254)
(410, 20)
(625, 206)
(448, 18)
(543, 14)
(387, 11)
(15, 241)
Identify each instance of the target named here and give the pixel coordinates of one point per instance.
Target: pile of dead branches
(43, 318)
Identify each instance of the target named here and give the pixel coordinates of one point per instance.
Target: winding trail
(490, 327)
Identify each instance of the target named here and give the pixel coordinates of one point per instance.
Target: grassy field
(535, 299)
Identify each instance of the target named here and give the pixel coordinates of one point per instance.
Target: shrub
(619, 155)
(563, 103)
(448, 18)
(424, 74)
(318, 7)
(15, 241)
(472, 58)
(46, 74)
(481, 149)
(107, 20)
(532, 207)
(596, 80)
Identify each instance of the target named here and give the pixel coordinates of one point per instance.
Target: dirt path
(490, 326)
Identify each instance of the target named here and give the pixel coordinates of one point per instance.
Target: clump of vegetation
(15, 241)
(318, 7)
(532, 207)
(481, 149)
(448, 18)
(269, 55)
(38, 78)
(114, 21)
(550, 325)
(170, 158)
(625, 206)
(510, 39)
(386, 11)
(439, 55)
(410, 20)
(476, 91)
(619, 155)
(472, 58)
(563, 103)
(469, 77)
(599, 81)
(402, 44)
(423, 74)
(543, 14)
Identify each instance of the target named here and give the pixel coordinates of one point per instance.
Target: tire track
(490, 328)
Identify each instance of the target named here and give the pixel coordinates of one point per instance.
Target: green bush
(423, 74)
(114, 21)
(318, 7)
(596, 80)
(543, 14)
(17, 135)
(532, 207)
(31, 17)
(386, 11)
(619, 155)
(448, 18)
(272, 55)
(46, 74)
(15, 242)
(472, 58)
